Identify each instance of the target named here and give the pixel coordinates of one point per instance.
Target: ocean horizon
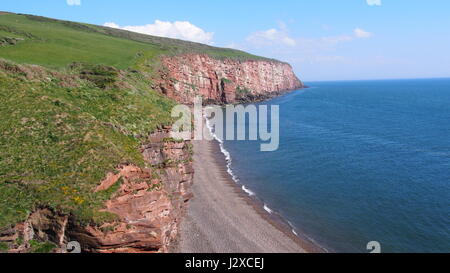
(358, 161)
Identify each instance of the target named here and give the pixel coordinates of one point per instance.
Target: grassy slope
(55, 44)
(58, 142)
(61, 134)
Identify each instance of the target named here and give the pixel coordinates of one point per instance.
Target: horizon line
(380, 79)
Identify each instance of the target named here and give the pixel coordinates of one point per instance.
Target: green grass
(56, 44)
(41, 247)
(58, 142)
(3, 247)
(242, 91)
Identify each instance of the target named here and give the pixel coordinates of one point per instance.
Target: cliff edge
(224, 80)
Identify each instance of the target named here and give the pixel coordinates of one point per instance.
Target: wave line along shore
(223, 218)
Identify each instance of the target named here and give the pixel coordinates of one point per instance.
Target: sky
(321, 39)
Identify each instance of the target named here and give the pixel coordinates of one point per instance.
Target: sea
(358, 162)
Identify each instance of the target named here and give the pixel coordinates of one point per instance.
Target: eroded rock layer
(224, 81)
(148, 205)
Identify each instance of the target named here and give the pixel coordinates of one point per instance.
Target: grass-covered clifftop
(75, 102)
(56, 44)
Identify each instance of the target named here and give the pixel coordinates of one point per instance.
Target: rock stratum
(148, 204)
(224, 80)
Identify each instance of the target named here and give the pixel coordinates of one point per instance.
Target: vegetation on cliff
(61, 135)
(76, 101)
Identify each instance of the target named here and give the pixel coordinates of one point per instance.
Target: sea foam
(249, 192)
(223, 150)
(228, 160)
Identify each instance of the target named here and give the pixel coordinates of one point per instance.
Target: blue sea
(358, 161)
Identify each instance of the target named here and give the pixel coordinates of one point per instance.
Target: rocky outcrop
(223, 81)
(43, 225)
(148, 204)
(6, 41)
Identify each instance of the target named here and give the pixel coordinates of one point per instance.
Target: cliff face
(224, 81)
(148, 204)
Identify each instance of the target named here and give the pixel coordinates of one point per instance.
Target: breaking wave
(229, 160)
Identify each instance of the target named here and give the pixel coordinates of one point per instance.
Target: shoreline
(223, 218)
(224, 161)
(271, 217)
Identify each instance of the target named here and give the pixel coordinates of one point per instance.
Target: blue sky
(322, 39)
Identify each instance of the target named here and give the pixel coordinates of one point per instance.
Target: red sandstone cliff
(224, 81)
(150, 202)
(149, 205)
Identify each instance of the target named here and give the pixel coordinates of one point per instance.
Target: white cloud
(374, 2)
(279, 37)
(271, 37)
(111, 25)
(179, 30)
(73, 2)
(360, 33)
(234, 45)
